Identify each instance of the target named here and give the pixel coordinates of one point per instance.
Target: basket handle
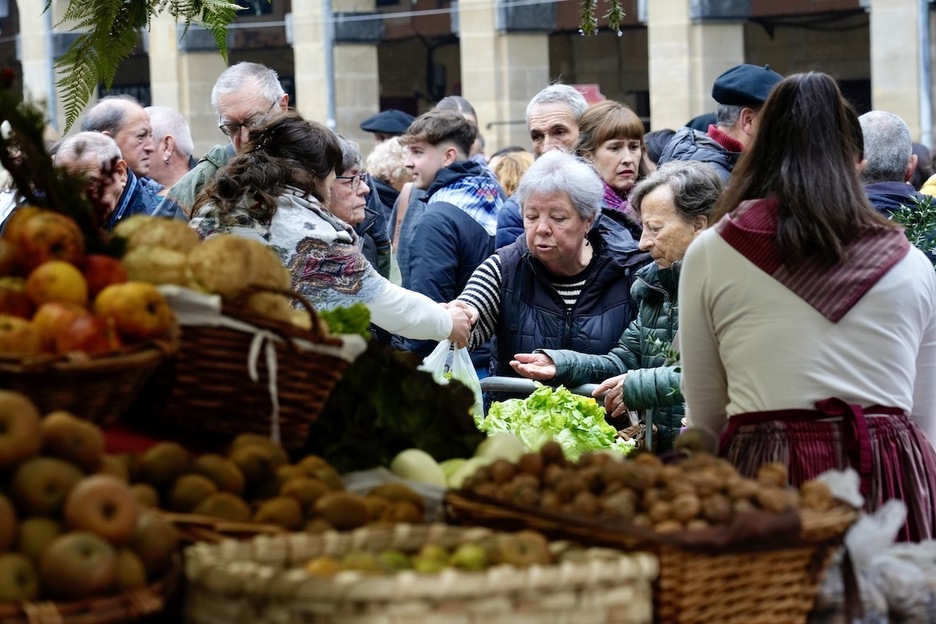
(316, 324)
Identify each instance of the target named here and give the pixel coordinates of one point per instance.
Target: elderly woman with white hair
(563, 284)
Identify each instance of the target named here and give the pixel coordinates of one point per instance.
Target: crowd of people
(741, 276)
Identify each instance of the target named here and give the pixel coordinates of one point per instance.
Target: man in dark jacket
(740, 93)
(889, 163)
(455, 233)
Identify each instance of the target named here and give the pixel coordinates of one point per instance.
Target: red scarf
(751, 229)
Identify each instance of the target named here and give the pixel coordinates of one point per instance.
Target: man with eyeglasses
(245, 96)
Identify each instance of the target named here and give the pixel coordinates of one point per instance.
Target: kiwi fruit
(145, 494)
(226, 506)
(284, 511)
(252, 439)
(188, 491)
(163, 463)
(344, 510)
(225, 473)
(396, 492)
(306, 490)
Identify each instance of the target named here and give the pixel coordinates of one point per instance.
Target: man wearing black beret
(387, 124)
(740, 93)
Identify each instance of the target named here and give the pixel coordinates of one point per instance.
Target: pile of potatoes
(699, 492)
(255, 482)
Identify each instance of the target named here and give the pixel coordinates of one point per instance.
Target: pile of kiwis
(698, 492)
(255, 482)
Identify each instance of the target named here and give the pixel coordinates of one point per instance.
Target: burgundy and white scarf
(751, 229)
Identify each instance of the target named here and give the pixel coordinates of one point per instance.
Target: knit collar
(729, 143)
(751, 229)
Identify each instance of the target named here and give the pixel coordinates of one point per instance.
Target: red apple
(9, 264)
(52, 319)
(13, 298)
(18, 336)
(88, 333)
(101, 271)
(138, 309)
(45, 235)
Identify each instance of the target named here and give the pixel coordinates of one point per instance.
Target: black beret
(390, 121)
(745, 85)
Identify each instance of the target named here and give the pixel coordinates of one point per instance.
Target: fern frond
(112, 27)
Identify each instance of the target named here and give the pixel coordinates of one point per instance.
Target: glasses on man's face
(355, 180)
(254, 121)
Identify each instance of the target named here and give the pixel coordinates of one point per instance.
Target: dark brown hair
(287, 151)
(804, 155)
(440, 126)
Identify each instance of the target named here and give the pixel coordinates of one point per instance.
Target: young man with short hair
(454, 231)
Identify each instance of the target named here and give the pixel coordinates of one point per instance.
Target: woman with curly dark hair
(276, 191)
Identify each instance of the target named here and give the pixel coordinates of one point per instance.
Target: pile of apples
(70, 525)
(56, 299)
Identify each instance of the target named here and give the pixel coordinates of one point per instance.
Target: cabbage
(576, 422)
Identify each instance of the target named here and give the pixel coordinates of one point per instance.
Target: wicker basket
(210, 385)
(128, 606)
(749, 586)
(263, 581)
(96, 388)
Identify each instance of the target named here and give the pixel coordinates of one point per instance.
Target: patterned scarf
(614, 201)
(751, 229)
(477, 196)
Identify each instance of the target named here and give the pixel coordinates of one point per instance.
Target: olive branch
(919, 222)
(588, 21)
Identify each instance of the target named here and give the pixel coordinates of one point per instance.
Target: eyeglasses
(356, 180)
(254, 121)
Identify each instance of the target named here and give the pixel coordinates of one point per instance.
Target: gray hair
(350, 155)
(85, 145)
(887, 147)
(108, 114)
(235, 77)
(728, 114)
(170, 122)
(386, 161)
(696, 187)
(557, 172)
(559, 94)
(458, 104)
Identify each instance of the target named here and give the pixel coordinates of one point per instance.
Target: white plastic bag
(449, 362)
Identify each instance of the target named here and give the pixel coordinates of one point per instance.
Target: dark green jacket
(650, 384)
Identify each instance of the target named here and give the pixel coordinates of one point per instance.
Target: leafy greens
(574, 421)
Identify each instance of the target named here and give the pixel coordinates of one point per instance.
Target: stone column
(685, 56)
(357, 31)
(501, 69)
(308, 42)
(895, 60)
(182, 73)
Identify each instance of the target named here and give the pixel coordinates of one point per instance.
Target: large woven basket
(775, 585)
(97, 388)
(262, 581)
(128, 606)
(252, 374)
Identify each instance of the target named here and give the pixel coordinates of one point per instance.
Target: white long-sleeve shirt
(749, 344)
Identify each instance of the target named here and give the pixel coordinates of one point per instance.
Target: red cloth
(891, 454)
(751, 229)
(726, 141)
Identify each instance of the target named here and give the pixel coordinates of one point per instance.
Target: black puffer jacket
(651, 383)
(689, 144)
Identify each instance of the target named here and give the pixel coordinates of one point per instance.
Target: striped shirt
(483, 293)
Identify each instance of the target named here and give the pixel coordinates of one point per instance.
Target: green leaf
(109, 31)
(919, 222)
